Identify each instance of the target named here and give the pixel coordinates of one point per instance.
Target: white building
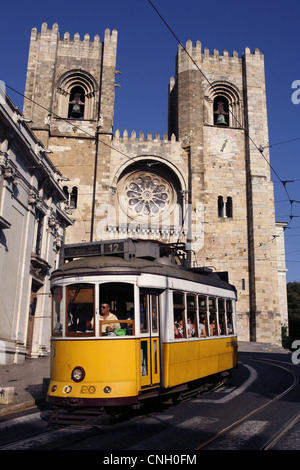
(32, 221)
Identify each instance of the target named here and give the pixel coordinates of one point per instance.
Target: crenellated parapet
(133, 137)
(194, 52)
(109, 37)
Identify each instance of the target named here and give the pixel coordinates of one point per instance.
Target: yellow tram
(130, 321)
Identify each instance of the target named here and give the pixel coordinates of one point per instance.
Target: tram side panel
(186, 361)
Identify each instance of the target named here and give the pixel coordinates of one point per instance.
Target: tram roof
(117, 265)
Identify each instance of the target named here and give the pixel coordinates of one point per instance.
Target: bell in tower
(76, 106)
(221, 114)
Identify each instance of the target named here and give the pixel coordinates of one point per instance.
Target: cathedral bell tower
(217, 109)
(70, 94)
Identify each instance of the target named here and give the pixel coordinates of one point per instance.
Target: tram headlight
(78, 374)
(107, 389)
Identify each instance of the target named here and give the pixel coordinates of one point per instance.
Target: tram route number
(113, 248)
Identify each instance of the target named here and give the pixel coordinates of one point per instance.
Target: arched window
(76, 95)
(220, 207)
(229, 207)
(225, 207)
(71, 196)
(223, 105)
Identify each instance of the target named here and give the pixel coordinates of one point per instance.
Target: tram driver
(106, 315)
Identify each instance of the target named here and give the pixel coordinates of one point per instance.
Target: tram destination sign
(127, 248)
(82, 250)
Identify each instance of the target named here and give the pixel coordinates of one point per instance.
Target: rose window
(146, 194)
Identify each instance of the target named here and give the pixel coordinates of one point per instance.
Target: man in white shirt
(106, 316)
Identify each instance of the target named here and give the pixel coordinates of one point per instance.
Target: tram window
(143, 313)
(119, 319)
(229, 312)
(213, 321)
(222, 321)
(80, 308)
(179, 320)
(144, 358)
(191, 301)
(57, 310)
(154, 310)
(203, 325)
(212, 305)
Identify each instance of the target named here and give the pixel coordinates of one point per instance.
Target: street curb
(10, 409)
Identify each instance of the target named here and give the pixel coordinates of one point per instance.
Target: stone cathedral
(206, 184)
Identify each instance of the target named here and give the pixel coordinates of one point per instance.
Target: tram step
(66, 417)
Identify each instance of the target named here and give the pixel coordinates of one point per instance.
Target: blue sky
(146, 58)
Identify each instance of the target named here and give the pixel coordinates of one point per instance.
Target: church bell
(221, 121)
(76, 110)
(220, 111)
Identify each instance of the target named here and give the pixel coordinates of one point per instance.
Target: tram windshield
(80, 307)
(116, 309)
(76, 304)
(57, 310)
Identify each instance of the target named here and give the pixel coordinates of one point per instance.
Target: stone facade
(32, 223)
(207, 184)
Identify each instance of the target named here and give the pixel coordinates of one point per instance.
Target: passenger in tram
(107, 315)
(154, 320)
(178, 328)
(229, 328)
(213, 325)
(129, 326)
(80, 318)
(191, 328)
(202, 326)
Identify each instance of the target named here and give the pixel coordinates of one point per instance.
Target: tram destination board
(82, 250)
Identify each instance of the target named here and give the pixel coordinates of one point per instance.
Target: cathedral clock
(223, 146)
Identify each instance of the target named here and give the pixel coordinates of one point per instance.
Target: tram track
(43, 439)
(271, 441)
(58, 436)
(79, 435)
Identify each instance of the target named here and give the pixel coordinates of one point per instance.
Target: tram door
(150, 350)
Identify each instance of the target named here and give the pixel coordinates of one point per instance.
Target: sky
(146, 58)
